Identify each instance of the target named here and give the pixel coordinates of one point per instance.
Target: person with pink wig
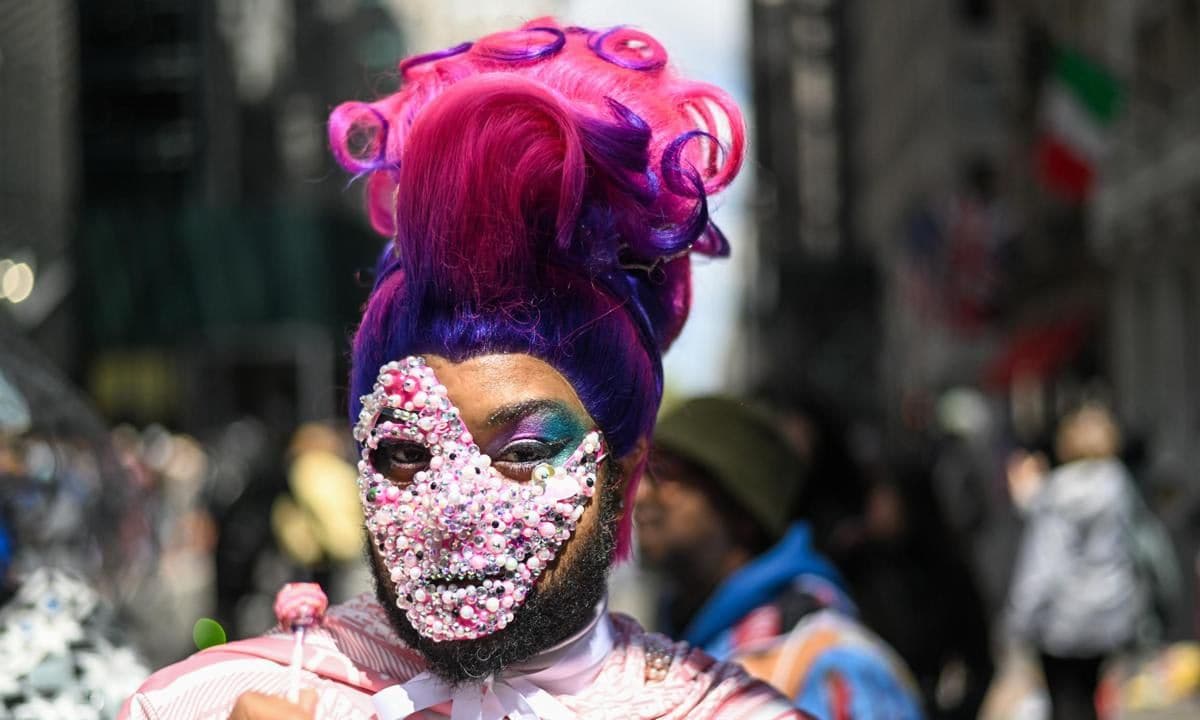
(542, 191)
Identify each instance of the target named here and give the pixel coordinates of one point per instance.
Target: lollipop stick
(293, 694)
(299, 606)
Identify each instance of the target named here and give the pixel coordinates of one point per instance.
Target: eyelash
(550, 447)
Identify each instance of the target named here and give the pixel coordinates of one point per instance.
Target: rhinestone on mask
(462, 543)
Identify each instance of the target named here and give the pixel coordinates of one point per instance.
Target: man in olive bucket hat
(715, 518)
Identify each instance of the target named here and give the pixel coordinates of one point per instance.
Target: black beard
(549, 615)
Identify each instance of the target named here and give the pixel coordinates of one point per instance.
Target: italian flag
(1079, 104)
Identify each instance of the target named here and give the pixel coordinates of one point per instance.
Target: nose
(644, 488)
(454, 514)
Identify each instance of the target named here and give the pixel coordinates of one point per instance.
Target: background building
(995, 273)
(216, 269)
(1143, 227)
(39, 184)
(814, 307)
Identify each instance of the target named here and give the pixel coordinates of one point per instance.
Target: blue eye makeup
(546, 432)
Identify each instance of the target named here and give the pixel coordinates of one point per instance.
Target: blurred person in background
(911, 577)
(249, 474)
(287, 509)
(174, 470)
(506, 373)
(967, 481)
(1084, 588)
(833, 498)
(901, 532)
(74, 537)
(745, 581)
(318, 521)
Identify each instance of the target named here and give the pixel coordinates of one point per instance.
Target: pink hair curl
(583, 66)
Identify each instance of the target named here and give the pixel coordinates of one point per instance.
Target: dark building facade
(814, 307)
(218, 243)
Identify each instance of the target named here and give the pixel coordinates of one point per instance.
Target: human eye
(517, 459)
(399, 460)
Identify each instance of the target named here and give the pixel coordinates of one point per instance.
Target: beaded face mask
(463, 543)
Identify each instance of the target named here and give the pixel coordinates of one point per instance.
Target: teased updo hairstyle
(542, 189)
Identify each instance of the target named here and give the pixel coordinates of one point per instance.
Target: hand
(257, 706)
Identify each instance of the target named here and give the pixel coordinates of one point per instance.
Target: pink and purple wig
(542, 189)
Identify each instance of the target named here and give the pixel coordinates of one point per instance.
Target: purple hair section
(682, 178)
(411, 62)
(628, 48)
(712, 242)
(621, 151)
(620, 390)
(516, 47)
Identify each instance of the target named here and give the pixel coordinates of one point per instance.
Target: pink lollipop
(298, 607)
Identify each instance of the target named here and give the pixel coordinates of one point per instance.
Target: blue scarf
(759, 582)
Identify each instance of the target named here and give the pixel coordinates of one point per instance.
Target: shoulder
(649, 676)
(352, 656)
(205, 685)
(828, 655)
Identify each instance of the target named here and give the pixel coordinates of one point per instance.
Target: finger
(256, 706)
(247, 706)
(308, 700)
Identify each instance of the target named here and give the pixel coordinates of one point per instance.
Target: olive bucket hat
(739, 445)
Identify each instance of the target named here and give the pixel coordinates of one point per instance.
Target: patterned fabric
(56, 658)
(355, 654)
(829, 664)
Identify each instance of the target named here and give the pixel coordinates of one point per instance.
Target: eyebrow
(507, 414)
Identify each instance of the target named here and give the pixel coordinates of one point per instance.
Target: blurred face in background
(680, 527)
(1088, 433)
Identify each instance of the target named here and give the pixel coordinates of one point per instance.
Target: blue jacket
(857, 677)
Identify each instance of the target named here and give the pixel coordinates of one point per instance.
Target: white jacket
(1076, 591)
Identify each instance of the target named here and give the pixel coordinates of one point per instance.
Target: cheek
(588, 525)
(690, 515)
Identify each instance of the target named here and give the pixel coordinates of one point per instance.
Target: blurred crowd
(962, 572)
(117, 545)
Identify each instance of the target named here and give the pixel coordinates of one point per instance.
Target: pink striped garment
(355, 654)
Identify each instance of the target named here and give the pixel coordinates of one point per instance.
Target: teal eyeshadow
(553, 426)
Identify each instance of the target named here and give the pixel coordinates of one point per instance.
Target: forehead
(483, 385)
